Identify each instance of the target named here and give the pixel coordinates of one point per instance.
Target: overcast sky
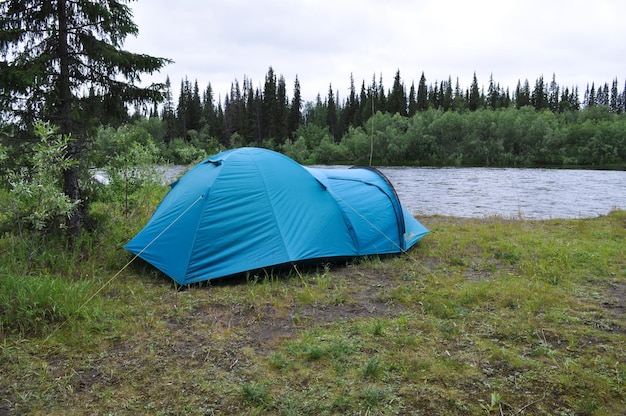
(323, 42)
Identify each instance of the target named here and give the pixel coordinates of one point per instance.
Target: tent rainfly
(248, 209)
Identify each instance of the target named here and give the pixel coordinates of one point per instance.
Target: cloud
(323, 42)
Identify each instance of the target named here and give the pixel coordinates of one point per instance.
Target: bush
(130, 162)
(181, 153)
(296, 150)
(36, 199)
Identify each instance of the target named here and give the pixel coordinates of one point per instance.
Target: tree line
(255, 115)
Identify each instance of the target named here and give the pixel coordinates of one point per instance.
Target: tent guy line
(120, 271)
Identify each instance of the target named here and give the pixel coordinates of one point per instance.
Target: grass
(484, 316)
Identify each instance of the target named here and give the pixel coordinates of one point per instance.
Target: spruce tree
(458, 102)
(522, 94)
(474, 95)
(182, 110)
(232, 111)
(370, 103)
(351, 109)
(553, 95)
(447, 95)
(331, 115)
(295, 110)
(422, 94)
(268, 125)
(433, 96)
(575, 99)
(382, 98)
(220, 123)
(365, 109)
(603, 95)
(614, 97)
(621, 101)
(538, 98)
(492, 94)
(506, 99)
(564, 102)
(316, 114)
(590, 96)
(396, 103)
(168, 115)
(195, 108)
(52, 53)
(282, 111)
(412, 106)
(252, 111)
(209, 112)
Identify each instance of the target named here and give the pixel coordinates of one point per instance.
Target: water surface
(511, 193)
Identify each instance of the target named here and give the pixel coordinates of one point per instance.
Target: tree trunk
(71, 186)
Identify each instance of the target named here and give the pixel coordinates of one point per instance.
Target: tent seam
(274, 218)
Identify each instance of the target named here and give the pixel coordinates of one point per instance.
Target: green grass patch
(484, 316)
(37, 305)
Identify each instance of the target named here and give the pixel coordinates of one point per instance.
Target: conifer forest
(439, 123)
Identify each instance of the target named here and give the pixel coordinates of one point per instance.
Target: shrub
(36, 198)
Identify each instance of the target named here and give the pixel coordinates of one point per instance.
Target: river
(506, 192)
(510, 193)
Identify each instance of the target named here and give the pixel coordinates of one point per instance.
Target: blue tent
(249, 208)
